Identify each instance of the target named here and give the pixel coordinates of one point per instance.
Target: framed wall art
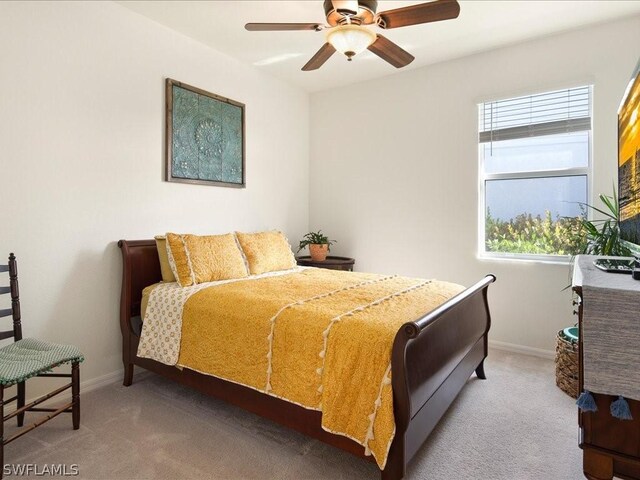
(205, 137)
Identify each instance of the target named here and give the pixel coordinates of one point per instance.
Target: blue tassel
(620, 409)
(586, 402)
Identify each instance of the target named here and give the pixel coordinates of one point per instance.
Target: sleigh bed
(432, 358)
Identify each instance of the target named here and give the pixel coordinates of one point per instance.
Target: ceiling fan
(348, 34)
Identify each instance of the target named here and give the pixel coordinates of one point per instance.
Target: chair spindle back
(14, 311)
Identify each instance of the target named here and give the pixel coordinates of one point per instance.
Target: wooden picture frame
(205, 137)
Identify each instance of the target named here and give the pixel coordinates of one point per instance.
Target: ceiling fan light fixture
(350, 40)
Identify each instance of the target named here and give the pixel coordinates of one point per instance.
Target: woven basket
(567, 365)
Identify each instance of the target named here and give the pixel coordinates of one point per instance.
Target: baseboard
(512, 347)
(85, 386)
(101, 381)
(116, 376)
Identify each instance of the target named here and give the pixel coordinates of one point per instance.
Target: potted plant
(598, 237)
(602, 237)
(318, 243)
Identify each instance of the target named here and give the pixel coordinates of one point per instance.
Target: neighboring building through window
(534, 156)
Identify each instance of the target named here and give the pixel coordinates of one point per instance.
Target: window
(534, 154)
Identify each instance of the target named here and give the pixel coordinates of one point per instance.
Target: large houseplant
(602, 237)
(599, 237)
(318, 243)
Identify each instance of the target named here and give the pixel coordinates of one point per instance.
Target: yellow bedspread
(319, 338)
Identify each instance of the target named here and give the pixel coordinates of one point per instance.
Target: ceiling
(482, 25)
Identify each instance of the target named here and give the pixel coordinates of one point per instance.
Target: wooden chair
(26, 358)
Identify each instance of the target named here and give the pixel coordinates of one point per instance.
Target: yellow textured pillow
(165, 268)
(266, 251)
(197, 259)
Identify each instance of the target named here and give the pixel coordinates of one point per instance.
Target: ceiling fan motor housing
(364, 16)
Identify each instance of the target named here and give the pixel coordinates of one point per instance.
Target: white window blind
(551, 113)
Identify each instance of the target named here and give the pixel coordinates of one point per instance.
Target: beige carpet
(515, 425)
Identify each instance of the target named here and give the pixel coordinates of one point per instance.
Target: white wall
(81, 156)
(394, 170)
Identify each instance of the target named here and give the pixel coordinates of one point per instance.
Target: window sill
(524, 258)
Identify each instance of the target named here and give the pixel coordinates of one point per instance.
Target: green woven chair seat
(30, 357)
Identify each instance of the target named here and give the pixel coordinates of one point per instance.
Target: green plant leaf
(607, 214)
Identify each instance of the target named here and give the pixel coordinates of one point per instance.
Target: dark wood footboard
(432, 359)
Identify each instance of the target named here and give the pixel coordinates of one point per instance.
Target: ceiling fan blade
(268, 27)
(320, 57)
(390, 52)
(422, 13)
(345, 6)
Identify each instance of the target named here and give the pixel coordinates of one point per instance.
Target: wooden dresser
(610, 446)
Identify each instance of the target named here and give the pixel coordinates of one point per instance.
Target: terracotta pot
(318, 252)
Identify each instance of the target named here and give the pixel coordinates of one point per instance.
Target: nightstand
(332, 263)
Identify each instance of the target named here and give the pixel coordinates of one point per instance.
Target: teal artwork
(205, 137)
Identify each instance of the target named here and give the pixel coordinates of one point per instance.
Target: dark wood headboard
(141, 268)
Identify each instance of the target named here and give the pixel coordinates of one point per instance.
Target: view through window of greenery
(533, 234)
